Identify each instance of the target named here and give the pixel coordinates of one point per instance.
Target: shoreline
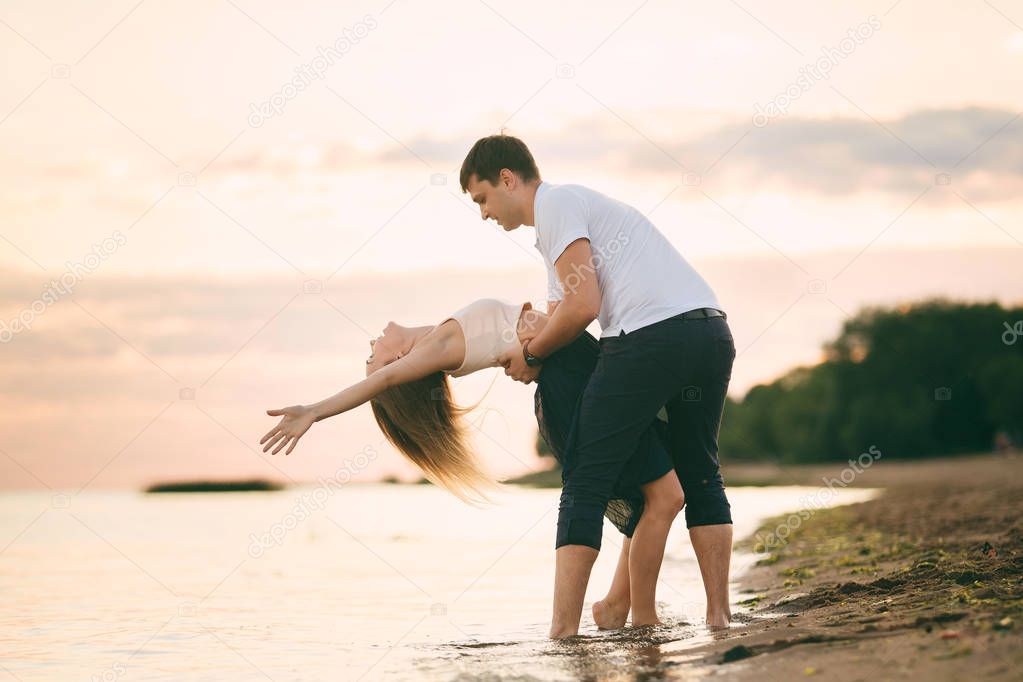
(923, 580)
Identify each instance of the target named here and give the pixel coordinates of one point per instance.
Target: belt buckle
(702, 313)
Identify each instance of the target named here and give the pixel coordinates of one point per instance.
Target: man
(664, 344)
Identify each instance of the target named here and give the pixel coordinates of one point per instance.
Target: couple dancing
(664, 349)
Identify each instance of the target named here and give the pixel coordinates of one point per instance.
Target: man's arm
(581, 303)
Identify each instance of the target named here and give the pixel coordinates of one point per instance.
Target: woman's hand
(295, 421)
(514, 363)
(531, 323)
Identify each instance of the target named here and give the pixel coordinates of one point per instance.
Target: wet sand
(923, 582)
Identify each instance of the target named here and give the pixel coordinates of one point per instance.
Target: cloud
(835, 156)
(185, 318)
(980, 147)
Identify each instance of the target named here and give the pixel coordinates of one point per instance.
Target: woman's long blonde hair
(422, 421)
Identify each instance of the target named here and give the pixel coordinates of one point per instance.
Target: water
(363, 582)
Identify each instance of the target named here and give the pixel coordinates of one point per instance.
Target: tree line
(935, 377)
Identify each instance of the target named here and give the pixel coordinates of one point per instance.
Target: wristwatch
(531, 359)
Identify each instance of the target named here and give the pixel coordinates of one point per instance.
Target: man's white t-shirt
(643, 279)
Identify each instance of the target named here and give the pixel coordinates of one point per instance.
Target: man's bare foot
(609, 615)
(561, 634)
(718, 619)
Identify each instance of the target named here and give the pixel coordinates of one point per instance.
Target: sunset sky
(227, 258)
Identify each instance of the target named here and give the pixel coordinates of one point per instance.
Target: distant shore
(894, 472)
(213, 486)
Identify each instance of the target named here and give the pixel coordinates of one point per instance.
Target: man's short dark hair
(490, 154)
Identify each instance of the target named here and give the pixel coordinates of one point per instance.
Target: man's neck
(531, 193)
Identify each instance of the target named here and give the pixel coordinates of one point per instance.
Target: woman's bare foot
(610, 615)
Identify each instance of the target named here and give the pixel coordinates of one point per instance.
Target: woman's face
(386, 348)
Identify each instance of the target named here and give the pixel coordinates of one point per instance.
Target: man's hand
(515, 366)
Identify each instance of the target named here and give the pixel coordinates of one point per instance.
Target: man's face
(497, 201)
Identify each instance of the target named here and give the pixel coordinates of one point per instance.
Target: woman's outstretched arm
(438, 351)
(426, 357)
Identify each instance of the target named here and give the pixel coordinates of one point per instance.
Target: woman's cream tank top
(489, 326)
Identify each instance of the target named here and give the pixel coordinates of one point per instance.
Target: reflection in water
(629, 654)
(626, 654)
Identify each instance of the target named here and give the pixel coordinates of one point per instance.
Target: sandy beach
(925, 581)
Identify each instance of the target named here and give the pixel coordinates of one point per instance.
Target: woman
(407, 387)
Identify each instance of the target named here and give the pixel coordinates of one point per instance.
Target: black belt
(699, 314)
(696, 314)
